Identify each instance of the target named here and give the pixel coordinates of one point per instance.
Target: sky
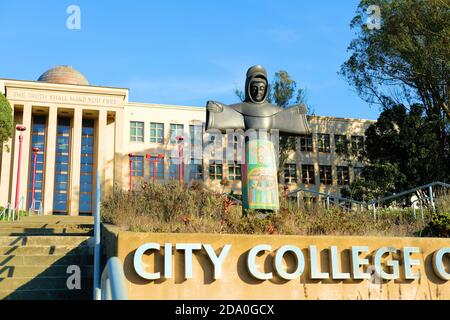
(187, 52)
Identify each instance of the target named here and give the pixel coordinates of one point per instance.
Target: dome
(63, 75)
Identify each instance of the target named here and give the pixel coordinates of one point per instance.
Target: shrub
(184, 209)
(439, 226)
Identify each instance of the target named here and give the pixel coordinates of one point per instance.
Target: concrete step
(45, 260)
(62, 294)
(45, 271)
(41, 283)
(45, 231)
(57, 219)
(45, 250)
(44, 240)
(41, 225)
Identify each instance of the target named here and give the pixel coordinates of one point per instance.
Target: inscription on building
(66, 98)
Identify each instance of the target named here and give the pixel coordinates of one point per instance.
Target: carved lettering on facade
(66, 98)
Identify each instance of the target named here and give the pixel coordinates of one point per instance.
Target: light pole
(19, 128)
(180, 139)
(33, 181)
(130, 155)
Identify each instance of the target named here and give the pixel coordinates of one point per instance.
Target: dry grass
(171, 208)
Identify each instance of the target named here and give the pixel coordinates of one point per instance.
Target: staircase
(36, 252)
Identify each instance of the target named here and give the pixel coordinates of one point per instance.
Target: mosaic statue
(259, 172)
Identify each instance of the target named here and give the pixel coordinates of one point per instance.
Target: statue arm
(291, 121)
(221, 116)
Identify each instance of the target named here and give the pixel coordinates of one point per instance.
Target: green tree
(407, 59)
(6, 121)
(283, 92)
(405, 148)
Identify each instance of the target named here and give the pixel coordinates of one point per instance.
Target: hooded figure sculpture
(259, 174)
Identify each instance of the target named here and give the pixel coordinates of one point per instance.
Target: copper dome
(63, 75)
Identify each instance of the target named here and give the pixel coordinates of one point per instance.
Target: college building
(75, 132)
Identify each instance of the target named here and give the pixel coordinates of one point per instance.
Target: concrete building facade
(83, 131)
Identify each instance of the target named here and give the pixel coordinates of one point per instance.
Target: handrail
(442, 184)
(328, 195)
(233, 198)
(97, 290)
(113, 281)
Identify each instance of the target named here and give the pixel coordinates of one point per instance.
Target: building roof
(63, 75)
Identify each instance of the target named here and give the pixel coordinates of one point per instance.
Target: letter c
(137, 261)
(251, 265)
(438, 264)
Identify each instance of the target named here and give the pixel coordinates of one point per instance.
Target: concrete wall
(237, 283)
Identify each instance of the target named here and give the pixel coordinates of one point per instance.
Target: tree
(283, 92)
(405, 148)
(6, 121)
(406, 60)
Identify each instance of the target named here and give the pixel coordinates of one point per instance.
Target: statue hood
(255, 73)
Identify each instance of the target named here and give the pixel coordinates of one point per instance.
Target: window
(290, 173)
(174, 168)
(196, 139)
(341, 143)
(308, 174)
(324, 142)
(215, 170)
(156, 132)
(157, 164)
(306, 142)
(136, 131)
(325, 175)
(62, 166)
(357, 145)
(137, 166)
(234, 171)
(357, 173)
(87, 167)
(175, 131)
(196, 169)
(343, 176)
(37, 141)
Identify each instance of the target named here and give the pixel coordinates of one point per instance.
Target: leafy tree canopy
(407, 59)
(405, 148)
(6, 121)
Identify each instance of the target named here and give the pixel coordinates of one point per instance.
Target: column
(120, 159)
(75, 161)
(26, 121)
(102, 145)
(50, 154)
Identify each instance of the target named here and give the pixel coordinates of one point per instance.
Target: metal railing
(430, 197)
(373, 203)
(335, 198)
(97, 247)
(110, 285)
(113, 281)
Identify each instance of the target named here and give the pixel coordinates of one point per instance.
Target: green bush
(178, 208)
(438, 226)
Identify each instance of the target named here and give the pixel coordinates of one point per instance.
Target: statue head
(256, 85)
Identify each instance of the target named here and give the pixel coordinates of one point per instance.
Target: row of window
(156, 168)
(235, 171)
(341, 143)
(325, 174)
(137, 132)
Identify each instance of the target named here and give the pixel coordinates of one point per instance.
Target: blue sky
(187, 52)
